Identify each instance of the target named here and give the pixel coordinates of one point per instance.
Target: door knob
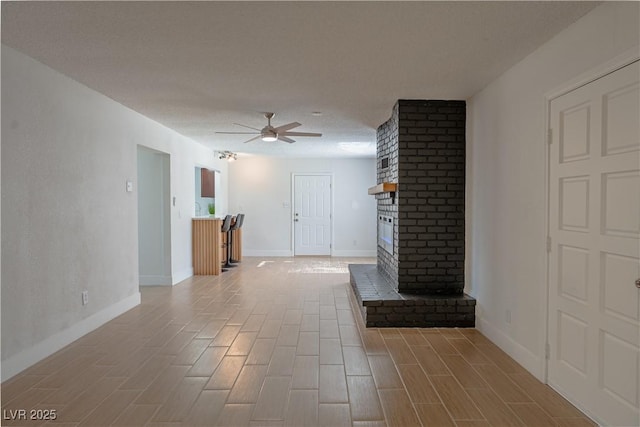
(638, 283)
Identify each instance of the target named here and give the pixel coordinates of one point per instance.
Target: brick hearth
(382, 306)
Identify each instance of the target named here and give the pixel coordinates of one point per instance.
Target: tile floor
(275, 342)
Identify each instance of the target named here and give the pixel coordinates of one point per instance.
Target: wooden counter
(208, 241)
(207, 245)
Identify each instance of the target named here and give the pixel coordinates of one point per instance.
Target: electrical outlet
(85, 297)
(508, 316)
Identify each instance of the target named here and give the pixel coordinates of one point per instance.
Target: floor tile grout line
(159, 318)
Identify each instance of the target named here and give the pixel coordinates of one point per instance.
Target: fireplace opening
(385, 233)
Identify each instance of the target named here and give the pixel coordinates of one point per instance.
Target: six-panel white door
(312, 214)
(594, 227)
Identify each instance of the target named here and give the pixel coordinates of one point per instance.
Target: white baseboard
(26, 358)
(522, 355)
(354, 253)
(155, 280)
(267, 253)
(181, 275)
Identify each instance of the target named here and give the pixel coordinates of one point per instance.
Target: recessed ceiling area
(200, 67)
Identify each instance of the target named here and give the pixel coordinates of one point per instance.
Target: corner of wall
(181, 275)
(30, 356)
(530, 361)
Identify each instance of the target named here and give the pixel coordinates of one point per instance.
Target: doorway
(312, 214)
(594, 247)
(154, 217)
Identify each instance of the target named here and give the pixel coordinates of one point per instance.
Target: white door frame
(293, 207)
(166, 278)
(596, 73)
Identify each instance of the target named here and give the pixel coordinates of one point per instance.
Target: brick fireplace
(419, 276)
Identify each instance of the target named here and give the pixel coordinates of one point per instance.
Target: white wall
(506, 210)
(261, 188)
(67, 222)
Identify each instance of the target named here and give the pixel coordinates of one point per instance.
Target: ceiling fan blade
(285, 139)
(245, 126)
(254, 138)
(288, 126)
(301, 134)
(239, 133)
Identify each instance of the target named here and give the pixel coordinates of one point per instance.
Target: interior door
(594, 227)
(312, 214)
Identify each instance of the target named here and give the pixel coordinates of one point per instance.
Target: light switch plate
(129, 186)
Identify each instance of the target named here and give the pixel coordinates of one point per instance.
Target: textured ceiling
(199, 67)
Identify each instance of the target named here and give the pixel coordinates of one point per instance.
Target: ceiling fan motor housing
(268, 133)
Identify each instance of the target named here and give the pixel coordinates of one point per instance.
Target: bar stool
(226, 226)
(236, 226)
(233, 227)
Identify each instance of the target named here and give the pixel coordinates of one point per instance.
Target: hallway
(276, 342)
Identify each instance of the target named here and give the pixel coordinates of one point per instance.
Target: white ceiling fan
(270, 133)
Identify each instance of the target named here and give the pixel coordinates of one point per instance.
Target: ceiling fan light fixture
(272, 134)
(269, 135)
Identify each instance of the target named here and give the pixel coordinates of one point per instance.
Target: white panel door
(312, 214)
(594, 227)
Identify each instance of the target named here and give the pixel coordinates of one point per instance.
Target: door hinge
(548, 243)
(547, 351)
(550, 136)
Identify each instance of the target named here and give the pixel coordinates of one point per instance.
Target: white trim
(595, 73)
(266, 253)
(155, 280)
(30, 356)
(182, 275)
(587, 411)
(166, 220)
(530, 361)
(354, 253)
(544, 294)
(626, 58)
(293, 202)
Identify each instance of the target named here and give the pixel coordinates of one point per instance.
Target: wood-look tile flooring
(277, 343)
